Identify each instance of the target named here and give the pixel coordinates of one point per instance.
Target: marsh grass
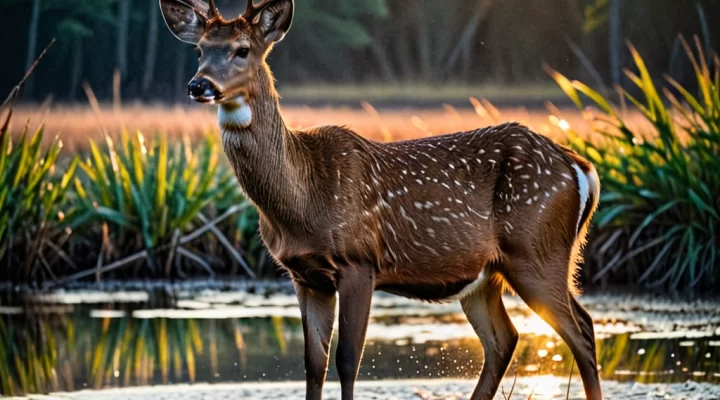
(168, 210)
(32, 199)
(143, 195)
(659, 220)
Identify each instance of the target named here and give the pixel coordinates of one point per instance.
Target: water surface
(74, 341)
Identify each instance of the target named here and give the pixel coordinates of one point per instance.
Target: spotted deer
(460, 216)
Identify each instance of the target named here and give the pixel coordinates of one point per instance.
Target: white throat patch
(235, 114)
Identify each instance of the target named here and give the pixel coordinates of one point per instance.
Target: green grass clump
(140, 195)
(163, 208)
(659, 219)
(32, 195)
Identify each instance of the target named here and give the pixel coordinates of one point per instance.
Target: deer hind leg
(544, 287)
(318, 316)
(486, 313)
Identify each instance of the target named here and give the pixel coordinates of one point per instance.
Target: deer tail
(589, 192)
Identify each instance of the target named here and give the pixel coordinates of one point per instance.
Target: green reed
(140, 194)
(32, 195)
(659, 220)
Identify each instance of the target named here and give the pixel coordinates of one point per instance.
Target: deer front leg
(355, 289)
(318, 316)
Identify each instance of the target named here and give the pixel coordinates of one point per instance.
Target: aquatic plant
(151, 196)
(32, 201)
(659, 220)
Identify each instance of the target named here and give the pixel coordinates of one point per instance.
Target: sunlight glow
(533, 323)
(545, 387)
(560, 123)
(141, 140)
(564, 125)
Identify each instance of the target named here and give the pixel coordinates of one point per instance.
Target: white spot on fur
(441, 219)
(417, 244)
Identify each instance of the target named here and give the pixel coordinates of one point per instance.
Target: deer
(462, 217)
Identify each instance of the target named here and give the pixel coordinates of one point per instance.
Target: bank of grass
(32, 192)
(659, 222)
(154, 208)
(167, 205)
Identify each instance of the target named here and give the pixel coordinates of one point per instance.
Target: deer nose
(202, 89)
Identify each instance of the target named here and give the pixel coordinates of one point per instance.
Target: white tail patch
(583, 191)
(235, 114)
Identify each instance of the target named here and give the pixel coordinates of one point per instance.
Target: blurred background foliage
(356, 42)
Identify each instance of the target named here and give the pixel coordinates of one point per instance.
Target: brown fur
(421, 218)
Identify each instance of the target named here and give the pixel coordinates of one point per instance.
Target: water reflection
(66, 347)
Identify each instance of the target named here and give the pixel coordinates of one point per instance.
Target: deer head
(230, 52)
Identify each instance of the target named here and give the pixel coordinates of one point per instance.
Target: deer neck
(264, 153)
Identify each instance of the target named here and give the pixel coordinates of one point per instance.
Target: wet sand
(540, 387)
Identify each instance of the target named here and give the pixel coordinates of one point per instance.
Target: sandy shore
(541, 388)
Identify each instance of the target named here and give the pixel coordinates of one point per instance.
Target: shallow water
(69, 342)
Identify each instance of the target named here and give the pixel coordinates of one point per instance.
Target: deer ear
(184, 21)
(274, 20)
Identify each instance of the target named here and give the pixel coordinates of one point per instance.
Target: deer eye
(243, 52)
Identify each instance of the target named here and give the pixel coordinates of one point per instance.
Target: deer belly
(436, 291)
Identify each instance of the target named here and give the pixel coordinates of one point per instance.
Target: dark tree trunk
(32, 41)
(463, 45)
(423, 43)
(76, 72)
(123, 21)
(404, 55)
(151, 48)
(386, 69)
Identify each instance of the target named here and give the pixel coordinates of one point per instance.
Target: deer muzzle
(203, 90)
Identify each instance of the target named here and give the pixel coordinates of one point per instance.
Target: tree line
(355, 42)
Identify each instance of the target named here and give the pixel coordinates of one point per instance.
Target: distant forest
(355, 42)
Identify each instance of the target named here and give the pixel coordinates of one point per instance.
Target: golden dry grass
(77, 124)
